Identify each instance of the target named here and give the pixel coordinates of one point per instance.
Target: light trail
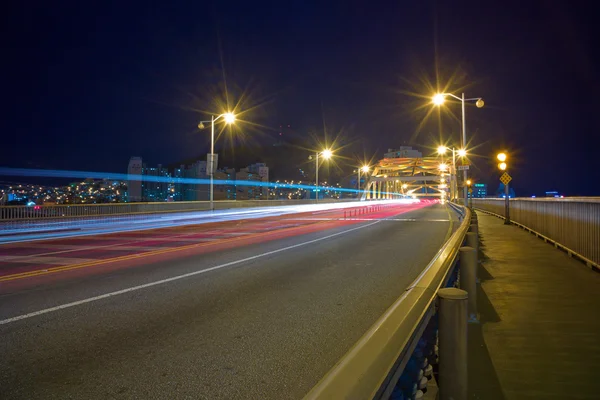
(45, 173)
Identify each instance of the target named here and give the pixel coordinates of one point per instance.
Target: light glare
(327, 154)
(442, 150)
(438, 99)
(229, 118)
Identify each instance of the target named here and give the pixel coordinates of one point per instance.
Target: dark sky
(86, 85)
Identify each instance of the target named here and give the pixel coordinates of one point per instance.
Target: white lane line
(175, 278)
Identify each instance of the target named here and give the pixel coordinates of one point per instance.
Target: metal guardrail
(395, 353)
(572, 223)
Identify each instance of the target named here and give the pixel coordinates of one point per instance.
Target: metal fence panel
(573, 223)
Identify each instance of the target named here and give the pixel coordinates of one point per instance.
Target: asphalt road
(267, 321)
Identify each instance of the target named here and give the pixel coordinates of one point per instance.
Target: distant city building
(258, 173)
(479, 190)
(134, 186)
(155, 189)
(160, 184)
(225, 188)
(403, 152)
(195, 192)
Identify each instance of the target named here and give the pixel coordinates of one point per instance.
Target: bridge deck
(539, 331)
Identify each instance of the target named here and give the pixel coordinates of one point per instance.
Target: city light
(442, 150)
(229, 118)
(327, 153)
(462, 152)
(404, 186)
(443, 167)
(502, 157)
(439, 99)
(469, 182)
(365, 168)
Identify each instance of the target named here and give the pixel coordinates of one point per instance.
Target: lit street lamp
(229, 118)
(461, 153)
(502, 166)
(470, 192)
(365, 169)
(326, 154)
(438, 100)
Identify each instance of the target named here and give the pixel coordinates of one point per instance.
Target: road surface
(261, 318)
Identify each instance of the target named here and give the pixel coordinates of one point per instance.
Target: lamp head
(438, 99)
(229, 117)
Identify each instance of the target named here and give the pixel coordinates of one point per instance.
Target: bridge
(415, 177)
(386, 298)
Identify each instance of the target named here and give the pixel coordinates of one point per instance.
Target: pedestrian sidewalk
(539, 330)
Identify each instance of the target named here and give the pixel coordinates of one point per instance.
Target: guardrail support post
(472, 240)
(453, 344)
(468, 279)
(473, 227)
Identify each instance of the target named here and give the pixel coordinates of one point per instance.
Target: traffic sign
(505, 178)
(463, 167)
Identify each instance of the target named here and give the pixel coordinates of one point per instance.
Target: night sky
(86, 85)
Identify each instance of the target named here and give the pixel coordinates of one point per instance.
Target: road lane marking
(178, 277)
(46, 271)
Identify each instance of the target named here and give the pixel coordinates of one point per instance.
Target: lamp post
(502, 166)
(438, 100)
(365, 169)
(326, 154)
(229, 118)
(461, 153)
(470, 193)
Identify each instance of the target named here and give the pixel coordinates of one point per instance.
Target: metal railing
(572, 223)
(395, 356)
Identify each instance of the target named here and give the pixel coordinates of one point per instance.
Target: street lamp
(502, 166)
(470, 192)
(326, 154)
(229, 118)
(439, 99)
(441, 150)
(365, 169)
